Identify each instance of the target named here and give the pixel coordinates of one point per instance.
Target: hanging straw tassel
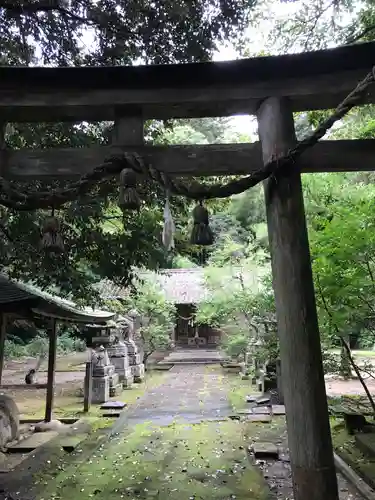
(169, 227)
(128, 195)
(201, 233)
(52, 241)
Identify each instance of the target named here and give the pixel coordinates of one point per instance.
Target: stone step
(191, 361)
(31, 443)
(264, 450)
(366, 443)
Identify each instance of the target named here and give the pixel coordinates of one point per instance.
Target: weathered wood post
(311, 453)
(3, 333)
(87, 396)
(52, 334)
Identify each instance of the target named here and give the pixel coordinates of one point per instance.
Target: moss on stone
(345, 447)
(206, 460)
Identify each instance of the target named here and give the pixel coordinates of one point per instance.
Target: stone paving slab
(34, 441)
(264, 450)
(266, 419)
(278, 409)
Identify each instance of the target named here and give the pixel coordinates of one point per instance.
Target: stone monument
(101, 371)
(9, 421)
(135, 361)
(118, 355)
(105, 381)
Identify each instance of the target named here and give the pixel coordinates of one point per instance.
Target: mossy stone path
(169, 448)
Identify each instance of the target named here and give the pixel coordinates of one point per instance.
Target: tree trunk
(345, 365)
(311, 453)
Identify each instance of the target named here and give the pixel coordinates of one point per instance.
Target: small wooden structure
(186, 288)
(270, 87)
(26, 301)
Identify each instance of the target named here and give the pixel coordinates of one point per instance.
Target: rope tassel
(201, 233)
(52, 241)
(128, 195)
(169, 227)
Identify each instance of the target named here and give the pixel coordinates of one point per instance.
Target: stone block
(264, 419)
(100, 389)
(120, 364)
(278, 409)
(261, 410)
(134, 359)
(114, 380)
(9, 420)
(138, 370)
(131, 346)
(265, 450)
(113, 405)
(34, 441)
(102, 371)
(366, 443)
(138, 373)
(127, 381)
(262, 400)
(115, 390)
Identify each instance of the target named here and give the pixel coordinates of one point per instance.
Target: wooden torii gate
(270, 87)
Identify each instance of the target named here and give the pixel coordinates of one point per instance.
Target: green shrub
(16, 348)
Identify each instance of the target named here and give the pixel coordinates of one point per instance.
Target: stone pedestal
(115, 386)
(137, 368)
(100, 389)
(138, 372)
(134, 359)
(128, 378)
(118, 353)
(104, 378)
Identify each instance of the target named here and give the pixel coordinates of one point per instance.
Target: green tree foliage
(342, 247)
(157, 315)
(99, 240)
(66, 32)
(240, 302)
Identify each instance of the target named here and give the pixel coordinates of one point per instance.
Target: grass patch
(238, 390)
(345, 446)
(202, 461)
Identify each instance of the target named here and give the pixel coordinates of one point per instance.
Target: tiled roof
(109, 290)
(182, 286)
(46, 304)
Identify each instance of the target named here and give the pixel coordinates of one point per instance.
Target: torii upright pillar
(311, 453)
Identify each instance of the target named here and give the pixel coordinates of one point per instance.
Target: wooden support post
(128, 131)
(52, 334)
(88, 387)
(313, 470)
(3, 333)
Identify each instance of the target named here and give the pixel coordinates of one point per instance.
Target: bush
(16, 348)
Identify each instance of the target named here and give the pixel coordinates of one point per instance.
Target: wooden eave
(313, 80)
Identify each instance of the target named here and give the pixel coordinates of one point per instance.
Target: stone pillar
(119, 358)
(103, 376)
(137, 368)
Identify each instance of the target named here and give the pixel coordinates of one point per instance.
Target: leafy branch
(29, 7)
(345, 345)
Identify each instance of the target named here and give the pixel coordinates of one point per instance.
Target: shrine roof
(45, 304)
(183, 286)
